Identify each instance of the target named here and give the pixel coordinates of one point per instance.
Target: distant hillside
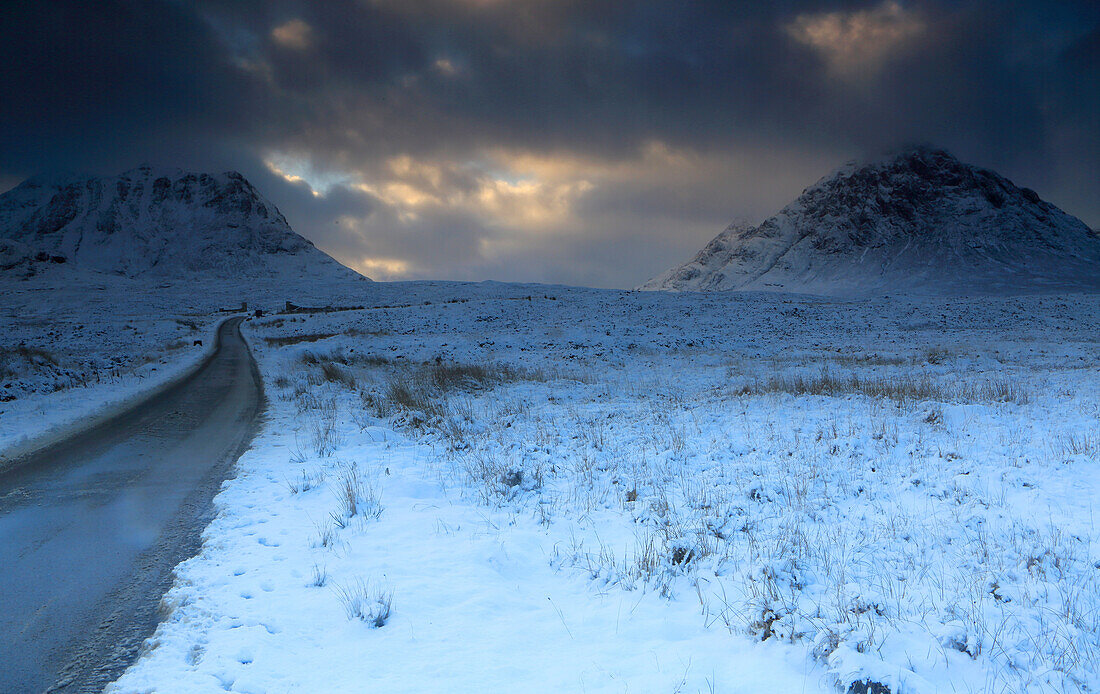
(149, 223)
(921, 220)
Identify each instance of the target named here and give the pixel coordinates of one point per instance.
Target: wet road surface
(91, 527)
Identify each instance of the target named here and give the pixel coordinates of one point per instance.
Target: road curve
(91, 527)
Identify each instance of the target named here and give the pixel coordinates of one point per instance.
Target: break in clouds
(591, 143)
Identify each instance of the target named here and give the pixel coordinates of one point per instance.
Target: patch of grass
(315, 359)
(286, 340)
(356, 332)
(936, 355)
(34, 355)
(828, 384)
(410, 393)
(357, 496)
(325, 436)
(867, 359)
(367, 602)
(425, 389)
(326, 537)
(1000, 389)
(305, 482)
(333, 366)
(377, 405)
(899, 387)
(445, 376)
(374, 360)
(1077, 443)
(334, 373)
(320, 576)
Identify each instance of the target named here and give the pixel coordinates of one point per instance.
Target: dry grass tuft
(366, 602)
(286, 340)
(334, 373)
(357, 495)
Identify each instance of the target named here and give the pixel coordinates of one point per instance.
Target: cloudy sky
(571, 141)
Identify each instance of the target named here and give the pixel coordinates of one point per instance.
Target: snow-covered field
(74, 343)
(491, 488)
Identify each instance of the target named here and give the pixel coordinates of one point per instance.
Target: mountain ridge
(917, 220)
(156, 222)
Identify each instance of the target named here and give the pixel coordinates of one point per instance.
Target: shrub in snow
(357, 495)
(366, 602)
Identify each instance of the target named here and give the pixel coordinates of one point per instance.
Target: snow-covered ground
(76, 343)
(72, 349)
(485, 487)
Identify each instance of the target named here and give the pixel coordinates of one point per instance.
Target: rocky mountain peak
(152, 221)
(918, 219)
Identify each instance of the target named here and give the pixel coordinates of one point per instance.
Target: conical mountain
(920, 220)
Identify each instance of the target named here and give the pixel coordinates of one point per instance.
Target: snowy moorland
(500, 488)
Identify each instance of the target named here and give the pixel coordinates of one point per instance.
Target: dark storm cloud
(1075, 136)
(89, 84)
(599, 76)
(590, 142)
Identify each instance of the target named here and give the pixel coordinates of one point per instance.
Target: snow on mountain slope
(921, 220)
(167, 224)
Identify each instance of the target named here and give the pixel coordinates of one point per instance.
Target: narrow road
(91, 527)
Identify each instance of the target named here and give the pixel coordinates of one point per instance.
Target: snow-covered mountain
(156, 223)
(919, 220)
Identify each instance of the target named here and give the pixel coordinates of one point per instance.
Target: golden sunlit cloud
(528, 203)
(861, 42)
(295, 34)
(290, 177)
(653, 159)
(382, 268)
(501, 198)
